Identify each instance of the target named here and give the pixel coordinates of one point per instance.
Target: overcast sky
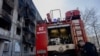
(44, 6)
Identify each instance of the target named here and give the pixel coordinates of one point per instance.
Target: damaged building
(17, 27)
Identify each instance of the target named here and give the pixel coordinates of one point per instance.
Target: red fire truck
(60, 37)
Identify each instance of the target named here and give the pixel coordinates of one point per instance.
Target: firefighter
(87, 48)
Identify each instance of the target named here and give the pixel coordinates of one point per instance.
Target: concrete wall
(13, 36)
(1, 48)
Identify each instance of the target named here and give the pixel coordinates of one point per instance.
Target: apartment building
(17, 27)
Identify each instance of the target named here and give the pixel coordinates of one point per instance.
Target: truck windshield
(60, 35)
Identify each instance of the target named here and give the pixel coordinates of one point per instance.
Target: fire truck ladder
(78, 30)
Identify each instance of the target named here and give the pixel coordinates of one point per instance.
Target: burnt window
(5, 23)
(18, 31)
(31, 49)
(19, 17)
(25, 48)
(27, 22)
(6, 47)
(6, 7)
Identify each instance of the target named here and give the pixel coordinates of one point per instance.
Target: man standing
(87, 48)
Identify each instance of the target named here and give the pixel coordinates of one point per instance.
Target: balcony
(26, 26)
(28, 40)
(4, 35)
(32, 29)
(29, 29)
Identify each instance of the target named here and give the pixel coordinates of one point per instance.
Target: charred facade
(17, 27)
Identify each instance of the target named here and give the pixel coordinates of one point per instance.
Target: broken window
(27, 22)
(17, 47)
(5, 23)
(25, 48)
(31, 49)
(6, 7)
(18, 31)
(6, 47)
(18, 18)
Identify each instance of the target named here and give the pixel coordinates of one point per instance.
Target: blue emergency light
(55, 20)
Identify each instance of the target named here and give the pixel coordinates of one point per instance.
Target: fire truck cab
(60, 38)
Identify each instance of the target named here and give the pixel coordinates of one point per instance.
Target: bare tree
(95, 31)
(91, 22)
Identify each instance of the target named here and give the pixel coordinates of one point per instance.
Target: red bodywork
(72, 13)
(41, 40)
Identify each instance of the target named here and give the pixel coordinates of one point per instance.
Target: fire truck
(60, 37)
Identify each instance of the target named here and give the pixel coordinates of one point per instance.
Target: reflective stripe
(41, 51)
(61, 47)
